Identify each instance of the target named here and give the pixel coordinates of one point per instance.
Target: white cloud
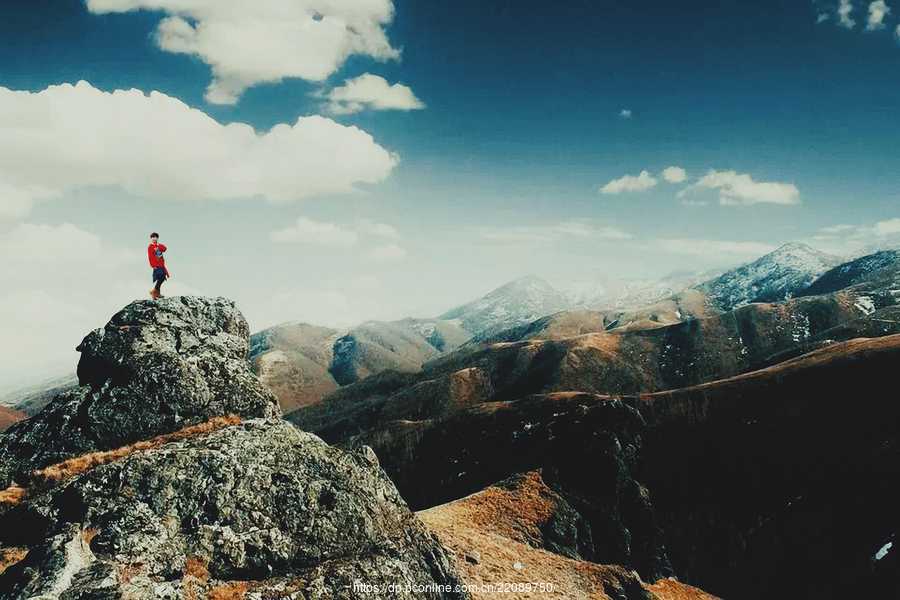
(307, 231)
(264, 41)
(630, 183)
(897, 34)
(625, 113)
(844, 18)
(674, 174)
(713, 247)
(885, 228)
(372, 92)
(378, 229)
(742, 189)
(878, 10)
(155, 146)
(823, 17)
(386, 252)
(58, 251)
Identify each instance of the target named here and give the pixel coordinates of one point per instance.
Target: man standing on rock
(155, 253)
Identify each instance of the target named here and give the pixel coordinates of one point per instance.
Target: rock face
(589, 449)
(154, 368)
(521, 521)
(774, 277)
(261, 503)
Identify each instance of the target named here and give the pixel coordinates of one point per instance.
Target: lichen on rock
(259, 502)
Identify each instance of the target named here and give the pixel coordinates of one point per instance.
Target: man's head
(154, 237)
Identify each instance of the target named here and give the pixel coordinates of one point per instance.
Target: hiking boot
(159, 295)
(153, 293)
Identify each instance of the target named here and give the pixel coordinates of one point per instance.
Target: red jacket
(155, 254)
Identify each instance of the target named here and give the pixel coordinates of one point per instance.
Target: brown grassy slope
(694, 401)
(493, 533)
(9, 416)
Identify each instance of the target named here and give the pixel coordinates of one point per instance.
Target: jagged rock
(262, 503)
(154, 368)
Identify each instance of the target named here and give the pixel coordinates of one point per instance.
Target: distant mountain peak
(771, 278)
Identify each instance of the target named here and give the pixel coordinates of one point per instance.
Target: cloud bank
(265, 41)
(737, 188)
(630, 183)
(155, 146)
(371, 92)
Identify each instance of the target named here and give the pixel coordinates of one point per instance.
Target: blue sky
(424, 152)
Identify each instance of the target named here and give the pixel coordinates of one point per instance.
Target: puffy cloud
(713, 247)
(386, 252)
(156, 146)
(844, 18)
(885, 228)
(674, 174)
(878, 10)
(248, 43)
(372, 92)
(306, 231)
(630, 183)
(741, 189)
(625, 113)
(822, 18)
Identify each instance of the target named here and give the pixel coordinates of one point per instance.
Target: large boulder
(156, 367)
(261, 507)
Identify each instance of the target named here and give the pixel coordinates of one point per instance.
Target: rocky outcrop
(156, 367)
(261, 507)
(522, 533)
(589, 448)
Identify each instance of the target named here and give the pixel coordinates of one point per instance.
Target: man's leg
(159, 282)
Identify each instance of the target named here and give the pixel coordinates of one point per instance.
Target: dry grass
(12, 496)
(672, 589)
(233, 590)
(81, 464)
(195, 577)
(10, 556)
(53, 474)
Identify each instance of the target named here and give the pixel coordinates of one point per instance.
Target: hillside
(302, 363)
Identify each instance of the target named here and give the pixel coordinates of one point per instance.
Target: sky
(337, 161)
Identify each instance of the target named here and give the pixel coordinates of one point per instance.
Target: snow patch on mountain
(774, 277)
